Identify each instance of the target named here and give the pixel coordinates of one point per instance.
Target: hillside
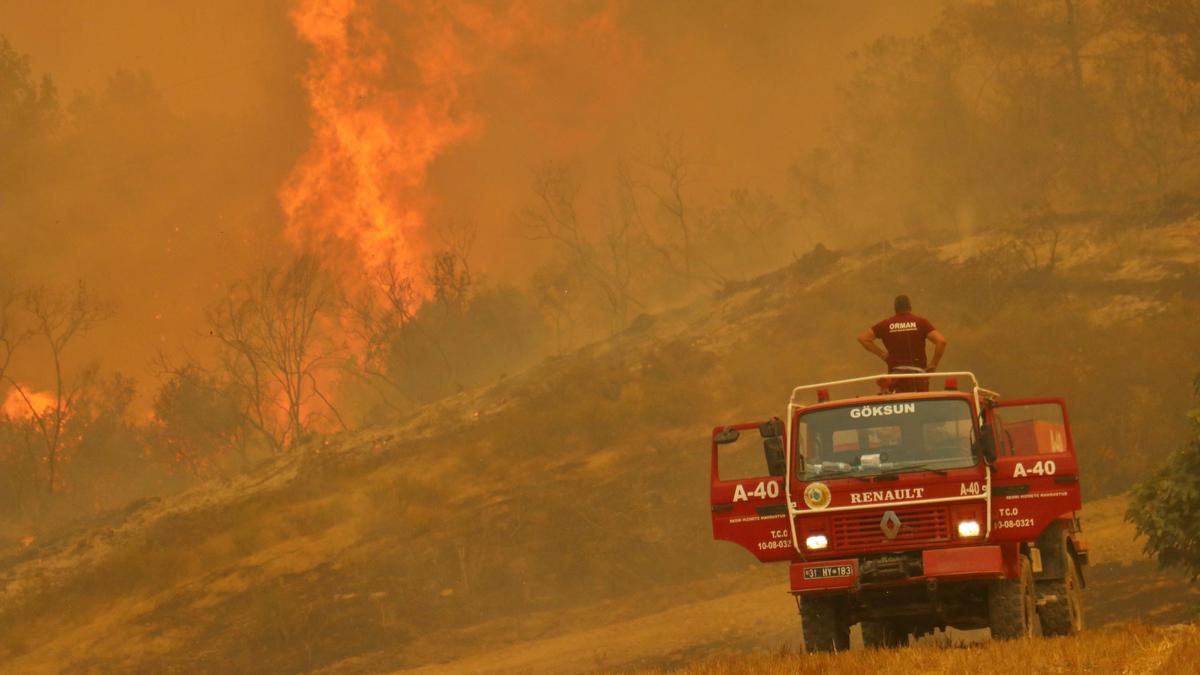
(746, 622)
(547, 520)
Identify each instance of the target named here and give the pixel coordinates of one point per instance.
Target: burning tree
(57, 318)
(449, 272)
(381, 315)
(274, 348)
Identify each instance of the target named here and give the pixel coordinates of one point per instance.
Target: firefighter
(904, 336)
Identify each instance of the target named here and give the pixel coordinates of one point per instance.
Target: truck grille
(917, 526)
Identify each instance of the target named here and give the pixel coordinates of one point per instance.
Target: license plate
(828, 572)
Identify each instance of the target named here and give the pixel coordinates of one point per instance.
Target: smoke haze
(184, 122)
(368, 334)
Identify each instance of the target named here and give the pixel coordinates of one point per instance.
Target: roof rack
(894, 376)
(976, 390)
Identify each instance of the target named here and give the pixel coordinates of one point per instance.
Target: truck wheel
(824, 626)
(883, 635)
(1012, 606)
(1062, 613)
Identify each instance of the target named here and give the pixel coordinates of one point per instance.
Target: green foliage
(197, 420)
(1166, 506)
(459, 340)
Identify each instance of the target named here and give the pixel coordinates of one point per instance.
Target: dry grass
(1125, 648)
(556, 522)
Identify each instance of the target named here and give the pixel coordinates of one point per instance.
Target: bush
(1165, 507)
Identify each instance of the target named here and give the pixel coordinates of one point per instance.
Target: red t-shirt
(904, 337)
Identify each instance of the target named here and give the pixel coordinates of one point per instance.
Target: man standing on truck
(904, 335)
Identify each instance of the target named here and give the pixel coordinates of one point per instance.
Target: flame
(378, 122)
(17, 408)
(384, 84)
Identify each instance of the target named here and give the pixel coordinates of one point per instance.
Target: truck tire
(823, 624)
(1062, 613)
(1012, 605)
(883, 635)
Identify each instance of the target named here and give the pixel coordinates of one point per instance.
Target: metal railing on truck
(977, 392)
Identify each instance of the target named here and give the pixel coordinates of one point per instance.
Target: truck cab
(908, 512)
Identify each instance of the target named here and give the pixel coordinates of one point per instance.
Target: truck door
(1036, 479)
(746, 489)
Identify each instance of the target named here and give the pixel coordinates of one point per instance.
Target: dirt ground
(753, 613)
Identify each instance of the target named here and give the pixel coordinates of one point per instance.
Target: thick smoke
(176, 136)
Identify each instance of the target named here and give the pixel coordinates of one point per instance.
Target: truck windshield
(865, 440)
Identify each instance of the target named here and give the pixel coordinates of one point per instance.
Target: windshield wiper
(895, 471)
(840, 474)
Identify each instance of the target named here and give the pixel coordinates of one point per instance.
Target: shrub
(1165, 506)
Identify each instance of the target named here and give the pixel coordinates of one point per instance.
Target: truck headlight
(968, 528)
(816, 541)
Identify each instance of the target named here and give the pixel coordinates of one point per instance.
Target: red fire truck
(909, 512)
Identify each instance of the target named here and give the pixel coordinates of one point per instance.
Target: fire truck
(909, 512)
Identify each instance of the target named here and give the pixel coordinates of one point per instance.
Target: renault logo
(890, 524)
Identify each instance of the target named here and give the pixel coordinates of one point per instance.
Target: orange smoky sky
(255, 134)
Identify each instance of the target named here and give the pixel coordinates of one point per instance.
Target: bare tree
(555, 217)
(449, 272)
(271, 328)
(756, 218)
(677, 245)
(20, 469)
(675, 173)
(623, 238)
(458, 238)
(557, 290)
(608, 267)
(382, 315)
(241, 363)
(384, 309)
(58, 317)
(1038, 247)
(1071, 37)
(12, 334)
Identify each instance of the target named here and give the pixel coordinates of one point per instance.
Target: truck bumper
(950, 564)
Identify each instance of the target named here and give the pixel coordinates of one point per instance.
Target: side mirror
(726, 436)
(772, 434)
(987, 444)
(773, 451)
(771, 429)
